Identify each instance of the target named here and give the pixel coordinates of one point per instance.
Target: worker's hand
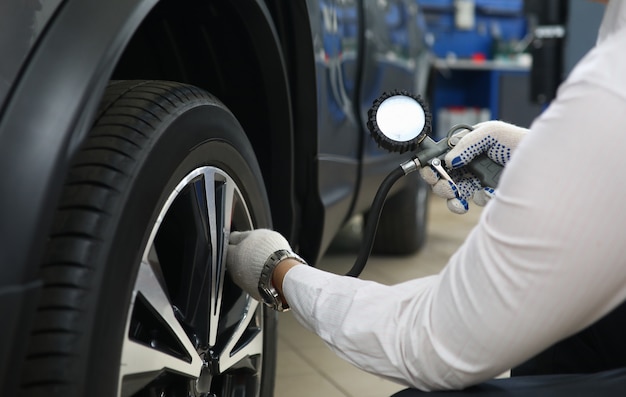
(247, 253)
(495, 138)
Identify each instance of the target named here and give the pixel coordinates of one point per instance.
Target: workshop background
(492, 59)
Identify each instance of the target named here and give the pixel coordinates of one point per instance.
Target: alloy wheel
(191, 331)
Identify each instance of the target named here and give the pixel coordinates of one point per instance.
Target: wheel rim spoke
(147, 360)
(223, 196)
(219, 197)
(142, 358)
(242, 344)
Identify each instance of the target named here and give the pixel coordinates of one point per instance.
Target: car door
(337, 29)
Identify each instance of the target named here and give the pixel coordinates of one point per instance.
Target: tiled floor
(306, 367)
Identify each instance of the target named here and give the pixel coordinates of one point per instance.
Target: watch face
(400, 118)
(267, 297)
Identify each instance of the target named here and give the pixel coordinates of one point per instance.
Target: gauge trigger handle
(443, 174)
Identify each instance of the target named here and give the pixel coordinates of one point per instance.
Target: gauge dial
(399, 121)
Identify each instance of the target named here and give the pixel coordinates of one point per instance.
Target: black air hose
(371, 223)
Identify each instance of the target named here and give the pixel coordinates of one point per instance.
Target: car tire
(136, 298)
(403, 220)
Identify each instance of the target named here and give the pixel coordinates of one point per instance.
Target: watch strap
(269, 294)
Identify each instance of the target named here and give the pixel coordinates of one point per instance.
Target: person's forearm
(356, 318)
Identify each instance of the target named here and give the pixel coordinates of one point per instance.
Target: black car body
(297, 76)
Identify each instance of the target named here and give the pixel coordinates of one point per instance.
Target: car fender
(45, 117)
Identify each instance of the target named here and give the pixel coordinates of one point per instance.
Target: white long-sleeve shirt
(547, 258)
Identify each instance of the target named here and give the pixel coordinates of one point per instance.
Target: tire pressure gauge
(399, 121)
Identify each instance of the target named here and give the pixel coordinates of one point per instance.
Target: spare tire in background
(403, 221)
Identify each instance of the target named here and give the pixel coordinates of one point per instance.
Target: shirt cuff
(320, 300)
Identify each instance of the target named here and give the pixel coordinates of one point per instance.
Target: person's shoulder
(604, 65)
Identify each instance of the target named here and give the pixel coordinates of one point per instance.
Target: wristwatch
(266, 289)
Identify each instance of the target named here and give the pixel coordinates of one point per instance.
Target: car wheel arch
(253, 82)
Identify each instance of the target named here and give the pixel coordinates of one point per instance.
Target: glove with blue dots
(495, 138)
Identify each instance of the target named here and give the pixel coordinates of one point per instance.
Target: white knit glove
(495, 138)
(247, 253)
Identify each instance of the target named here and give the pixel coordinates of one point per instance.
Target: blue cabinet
(466, 91)
(477, 55)
(491, 24)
